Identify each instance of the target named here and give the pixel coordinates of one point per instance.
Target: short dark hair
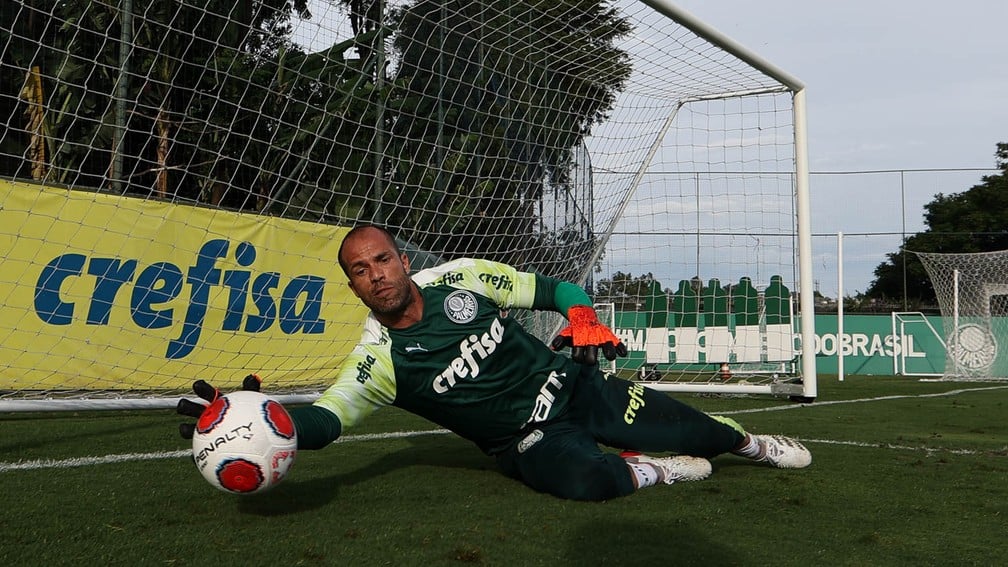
(361, 228)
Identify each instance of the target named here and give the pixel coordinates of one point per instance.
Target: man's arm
(364, 383)
(585, 334)
(567, 295)
(316, 426)
(510, 288)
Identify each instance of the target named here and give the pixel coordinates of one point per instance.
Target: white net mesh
(181, 174)
(972, 292)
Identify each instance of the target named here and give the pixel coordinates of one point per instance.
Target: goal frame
(807, 390)
(899, 321)
(157, 394)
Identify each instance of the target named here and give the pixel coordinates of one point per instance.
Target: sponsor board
(868, 345)
(112, 292)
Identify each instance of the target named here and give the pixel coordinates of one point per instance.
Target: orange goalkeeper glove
(585, 335)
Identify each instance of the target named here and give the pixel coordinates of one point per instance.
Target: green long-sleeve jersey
(467, 364)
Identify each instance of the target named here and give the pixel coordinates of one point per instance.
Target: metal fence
(875, 211)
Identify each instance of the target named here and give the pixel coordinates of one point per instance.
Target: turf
(904, 473)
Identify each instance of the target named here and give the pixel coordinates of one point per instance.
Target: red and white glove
(585, 335)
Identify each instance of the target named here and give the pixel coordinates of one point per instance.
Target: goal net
(175, 179)
(972, 292)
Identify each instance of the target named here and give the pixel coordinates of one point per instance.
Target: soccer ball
(244, 442)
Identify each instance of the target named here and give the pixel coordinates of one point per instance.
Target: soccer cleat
(678, 468)
(783, 452)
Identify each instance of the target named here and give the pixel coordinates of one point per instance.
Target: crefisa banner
(110, 292)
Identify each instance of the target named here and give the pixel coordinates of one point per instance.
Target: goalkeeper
(442, 345)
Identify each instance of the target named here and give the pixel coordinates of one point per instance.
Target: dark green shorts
(563, 456)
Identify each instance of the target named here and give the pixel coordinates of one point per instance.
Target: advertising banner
(869, 344)
(109, 292)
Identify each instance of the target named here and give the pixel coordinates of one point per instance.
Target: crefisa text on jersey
(299, 309)
(497, 281)
(466, 364)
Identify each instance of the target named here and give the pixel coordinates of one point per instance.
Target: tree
(975, 220)
(177, 105)
(493, 100)
(627, 291)
(465, 133)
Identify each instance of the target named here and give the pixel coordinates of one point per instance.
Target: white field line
(863, 400)
(126, 457)
(928, 450)
(39, 464)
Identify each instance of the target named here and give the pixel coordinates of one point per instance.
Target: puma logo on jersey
(473, 350)
(529, 440)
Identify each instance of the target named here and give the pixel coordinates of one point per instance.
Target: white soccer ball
(244, 442)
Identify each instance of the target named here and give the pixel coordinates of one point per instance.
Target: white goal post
(720, 201)
(174, 185)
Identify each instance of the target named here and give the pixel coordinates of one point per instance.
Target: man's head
(365, 230)
(378, 271)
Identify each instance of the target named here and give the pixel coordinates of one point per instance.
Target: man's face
(378, 275)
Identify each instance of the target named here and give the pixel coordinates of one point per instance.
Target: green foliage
(495, 115)
(975, 220)
(465, 133)
(626, 291)
(181, 92)
(646, 293)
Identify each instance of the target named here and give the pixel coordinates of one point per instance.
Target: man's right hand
(207, 392)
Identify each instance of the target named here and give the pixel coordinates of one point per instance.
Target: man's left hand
(585, 335)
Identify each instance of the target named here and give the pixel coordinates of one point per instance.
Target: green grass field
(904, 473)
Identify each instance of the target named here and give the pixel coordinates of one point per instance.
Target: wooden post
(32, 92)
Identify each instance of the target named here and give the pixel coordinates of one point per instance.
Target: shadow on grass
(74, 429)
(652, 541)
(442, 451)
(294, 496)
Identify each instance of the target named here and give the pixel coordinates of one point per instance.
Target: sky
(890, 86)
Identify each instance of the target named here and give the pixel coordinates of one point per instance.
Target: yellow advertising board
(109, 292)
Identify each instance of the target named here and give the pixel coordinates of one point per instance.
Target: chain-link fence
(875, 211)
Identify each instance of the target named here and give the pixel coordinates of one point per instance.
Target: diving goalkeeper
(441, 344)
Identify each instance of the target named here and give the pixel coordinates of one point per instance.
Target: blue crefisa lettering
(296, 306)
